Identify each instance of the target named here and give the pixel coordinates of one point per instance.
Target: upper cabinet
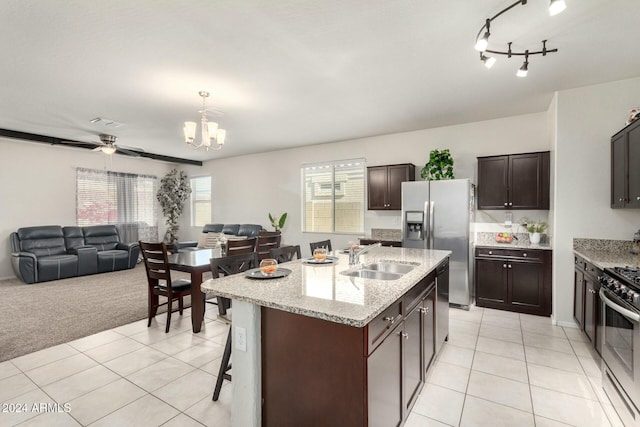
(625, 175)
(384, 189)
(514, 181)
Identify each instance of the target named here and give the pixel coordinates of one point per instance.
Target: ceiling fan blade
(127, 152)
(99, 148)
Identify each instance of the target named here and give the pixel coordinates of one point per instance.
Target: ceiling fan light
(108, 149)
(483, 42)
(488, 61)
(557, 6)
(524, 70)
(189, 131)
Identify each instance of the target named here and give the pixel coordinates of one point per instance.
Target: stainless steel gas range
(620, 296)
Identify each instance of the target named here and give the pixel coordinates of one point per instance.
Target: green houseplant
(172, 195)
(278, 223)
(534, 229)
(439, 166)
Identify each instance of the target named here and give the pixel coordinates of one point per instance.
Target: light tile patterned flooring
(498, 369)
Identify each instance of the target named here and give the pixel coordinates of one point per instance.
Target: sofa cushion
(42, 241)
(249, 230)
(212, 228)
(231, 229)
(73, 237)
(102, 237)
(57, 267)
(112, 260)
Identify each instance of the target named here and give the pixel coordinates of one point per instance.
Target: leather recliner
(52, 252)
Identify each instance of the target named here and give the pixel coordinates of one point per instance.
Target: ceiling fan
(109, 146)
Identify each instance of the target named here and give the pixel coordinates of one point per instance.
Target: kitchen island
(324, 348)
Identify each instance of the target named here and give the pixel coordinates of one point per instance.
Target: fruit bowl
(504, 238)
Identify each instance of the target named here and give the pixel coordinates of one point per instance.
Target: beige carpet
(41, 315)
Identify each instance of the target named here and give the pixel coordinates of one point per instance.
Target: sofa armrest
(134, 252)
(25, 266)
(87, 259)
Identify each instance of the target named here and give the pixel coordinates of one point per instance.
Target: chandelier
(212, 137)
(482, 43)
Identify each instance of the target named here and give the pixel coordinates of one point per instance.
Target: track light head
(557, 6)
(522, 72)
(483, 42)
(488, 61)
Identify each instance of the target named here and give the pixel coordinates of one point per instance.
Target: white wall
(247, 188)
(587, 117)
(38, 186)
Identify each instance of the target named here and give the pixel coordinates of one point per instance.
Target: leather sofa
(240, 230)
(53, 252)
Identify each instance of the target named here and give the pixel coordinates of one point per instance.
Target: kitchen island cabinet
(586, 302)
(338, 350)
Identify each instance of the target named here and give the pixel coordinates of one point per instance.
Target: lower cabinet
(316, 372)
(513, 279)
(393, 243)
(586, 303)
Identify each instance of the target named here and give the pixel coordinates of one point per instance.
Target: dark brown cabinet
(513, 279)
(368, 376)
(625, 175)
(384, 185)
(586, 303)
(393, 243)
(514, 181)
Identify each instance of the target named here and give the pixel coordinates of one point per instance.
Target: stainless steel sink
(390, 267)
(372, 274)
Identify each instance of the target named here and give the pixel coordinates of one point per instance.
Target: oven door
(621, 344)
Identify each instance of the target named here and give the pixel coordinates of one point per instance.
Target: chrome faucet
(354, 254)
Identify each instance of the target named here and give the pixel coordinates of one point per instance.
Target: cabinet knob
(524, 254)
(620, 199)
(638, 198)
(490, 252)
(506, 204)
(404, 335)
(504, 265)
(390, 319)
(509, 265)
(510, 204)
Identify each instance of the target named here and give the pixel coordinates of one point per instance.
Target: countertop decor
(522, 242)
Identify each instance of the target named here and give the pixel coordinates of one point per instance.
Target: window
(333, 197)
(200, 201)
(126, 200)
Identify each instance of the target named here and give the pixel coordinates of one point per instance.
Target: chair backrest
(241, 246)
(267, 240)
(233, 264)
(285, 253)
(156, 262)
(322, 244)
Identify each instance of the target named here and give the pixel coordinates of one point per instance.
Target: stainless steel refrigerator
(439, 215)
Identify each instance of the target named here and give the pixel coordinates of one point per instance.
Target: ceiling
(286, 73)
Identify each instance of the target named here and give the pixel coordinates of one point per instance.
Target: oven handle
(612, 305)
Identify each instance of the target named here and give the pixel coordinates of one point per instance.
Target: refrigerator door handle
(425, 226)
(431, 222)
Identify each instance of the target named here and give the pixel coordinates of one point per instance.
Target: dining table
(196, 263)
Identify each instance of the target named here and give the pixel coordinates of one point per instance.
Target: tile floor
(498, 369)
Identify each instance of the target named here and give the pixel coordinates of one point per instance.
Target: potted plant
(439, 166)
(534, 229)
(172, 195)
(278, 223)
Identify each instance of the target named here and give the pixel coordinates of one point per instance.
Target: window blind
(123, 199)
(200, 201)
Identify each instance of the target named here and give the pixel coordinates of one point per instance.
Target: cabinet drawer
(579, 263)
(521, 254)
(379, 327)
(415, 294)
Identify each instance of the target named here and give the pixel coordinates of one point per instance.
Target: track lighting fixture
(557, 6)
(482, 39)
(487, 60)
(522, 72)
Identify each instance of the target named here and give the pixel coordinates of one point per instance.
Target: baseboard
(570, 324)
(8, 277)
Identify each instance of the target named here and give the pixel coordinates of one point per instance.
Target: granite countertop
(606, 253)
(320, 291)
(489, 240)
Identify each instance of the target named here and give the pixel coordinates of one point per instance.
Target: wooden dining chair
(322, 244)
(241, 246)
(267, 240)
(159, 281)
(226, 266)
(285, 253)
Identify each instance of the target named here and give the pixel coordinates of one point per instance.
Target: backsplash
(602, 245)
(393, 234)
(488, 238)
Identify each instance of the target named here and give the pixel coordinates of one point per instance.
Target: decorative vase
(534, 238)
